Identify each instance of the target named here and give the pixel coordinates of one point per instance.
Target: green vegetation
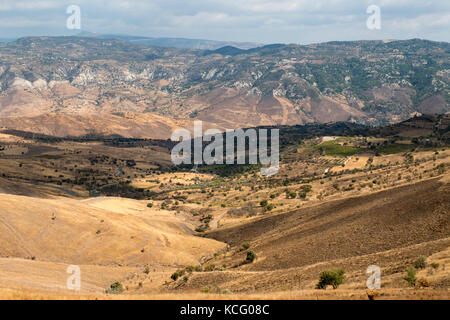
(331, 148)
(420, 263)
(246, 245)
(411, 276)
(331, 278)
(149, 205)
(434, 265)
(115, 288)
(251, 256)
(395, 148)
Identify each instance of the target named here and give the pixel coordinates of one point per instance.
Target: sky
(263, 21)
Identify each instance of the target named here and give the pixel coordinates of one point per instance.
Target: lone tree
(331, 277)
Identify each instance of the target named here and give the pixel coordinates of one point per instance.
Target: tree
(331, 277)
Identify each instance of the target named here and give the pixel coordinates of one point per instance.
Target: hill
(368, 82)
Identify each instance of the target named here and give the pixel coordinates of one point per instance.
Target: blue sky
(266, 21)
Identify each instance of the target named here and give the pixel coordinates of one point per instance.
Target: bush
(306, 188)
(330, 277)
(411, 276)
(420, 263)
(115, 288)
(175, 276)
(246, 245)
(291, 194)
(149, 205)
(251, 256)
(434, 265)
(263, 203)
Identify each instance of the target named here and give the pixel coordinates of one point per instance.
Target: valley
(346, 197)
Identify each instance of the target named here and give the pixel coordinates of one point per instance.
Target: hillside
(369, 82)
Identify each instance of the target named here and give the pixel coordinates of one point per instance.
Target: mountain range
(98, 84)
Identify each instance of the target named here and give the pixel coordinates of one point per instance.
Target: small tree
(411, 276)
(331, 277)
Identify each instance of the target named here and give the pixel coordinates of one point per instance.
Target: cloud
(267, 21)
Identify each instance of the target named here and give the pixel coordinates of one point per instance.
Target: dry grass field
(124, 216)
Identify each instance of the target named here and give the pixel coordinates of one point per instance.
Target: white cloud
(245, 20)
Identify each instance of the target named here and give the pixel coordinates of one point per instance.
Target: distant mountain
(184, 43)
(367, 82)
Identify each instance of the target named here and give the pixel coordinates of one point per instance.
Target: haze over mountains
(106, 86)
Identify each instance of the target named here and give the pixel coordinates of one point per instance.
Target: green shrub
(434, 265)
(263, 203)
(175, 276)
(291, 194)
(149, 205)
(246, 245)
(251, 256)
(420, 263)
(330, 277)
(411, 276)
(200, 229)
(306, 188)
(115, 288)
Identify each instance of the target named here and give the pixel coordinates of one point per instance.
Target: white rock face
(242, 85)
(210, 74)
(40, 84)
(84, 78)
(20, 83)
(279, 93)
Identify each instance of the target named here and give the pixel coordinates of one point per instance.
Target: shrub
(263, 203)
(291, 194)
(198, 268)
(251, 256)
(411, 276)
(246, 245)
(306, 188)
(174, 276)
(115, 288)
(420, 263)
(330, 277)
(200, 229)
(190, 269)
(149, 205)
(434, 265)
(210, 267)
